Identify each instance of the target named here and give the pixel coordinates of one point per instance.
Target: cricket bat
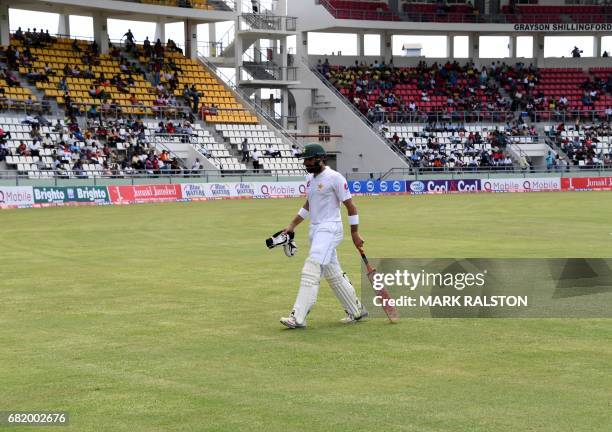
(383, 293)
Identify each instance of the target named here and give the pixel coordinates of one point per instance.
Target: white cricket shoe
(350, 319)
(291, 322)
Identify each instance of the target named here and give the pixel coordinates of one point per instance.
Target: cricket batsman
(326, 189)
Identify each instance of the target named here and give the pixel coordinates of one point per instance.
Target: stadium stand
(586, 145)
(362, 10)
(202, 140)
(188, 77)
(456, 148)
(556, 13)
(278, 158)
(53, 59)
(385, 93)
(436, 11)
(77, 77)
(12, 93)
(196, 4)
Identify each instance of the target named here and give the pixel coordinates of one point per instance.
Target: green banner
(73, 194)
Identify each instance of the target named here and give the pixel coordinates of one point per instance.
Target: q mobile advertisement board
(16, 196)
(586, 184)
(44, 196)
(543, 184)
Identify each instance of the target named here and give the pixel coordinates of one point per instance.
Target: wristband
(303, 213)
(353, 220)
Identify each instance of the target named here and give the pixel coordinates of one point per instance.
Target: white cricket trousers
(323, 260)
(324, 239)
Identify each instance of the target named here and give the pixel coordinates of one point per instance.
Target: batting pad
(342, 288)
(309, 288)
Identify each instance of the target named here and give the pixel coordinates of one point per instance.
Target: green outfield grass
(165, 318)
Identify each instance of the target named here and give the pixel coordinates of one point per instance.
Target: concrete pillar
(360, 44)
(450, 46)
(597, 46)
(5, 36)
(284, 64)
(301, 46)
(283, 51)
(191, 39)
(512, 47)
(100, 31)
(474, 46)
(280, 7)
(63, 24)
(260, 56)
(160, 32)
(238, 53)
(386, 50)
(285, 106)
(538, 50)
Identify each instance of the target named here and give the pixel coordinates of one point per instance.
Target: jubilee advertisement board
(144, 193)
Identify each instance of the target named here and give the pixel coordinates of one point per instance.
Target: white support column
(512, 46)
(450, 46)
(360, 44)
(191, 39)
(277, 51)
(386, 48)
(281, 7)
(258, 55)
(538, 50)
(238, 53)
(160, 31)
(100, 31)
(474, 48)
(284, 63)
(284, 106)
(301, 45)
(63, 24)
(597, 46)
(283, 51)
(5, 36)
(212, 32)
(213, 49)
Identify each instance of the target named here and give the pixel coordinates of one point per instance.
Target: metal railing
(211, 49)
(59, 35)
(266, 22)
(480, 172)
(384, 117)
(188, 4)
(463, 17)
(160, 111)
(21, 106)
(227, 38)
(246, 100)
(132, 176)
(267, 73)
(353, 108)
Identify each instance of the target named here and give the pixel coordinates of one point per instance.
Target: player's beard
(315, 169)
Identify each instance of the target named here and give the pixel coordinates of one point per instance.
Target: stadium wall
(45, 196)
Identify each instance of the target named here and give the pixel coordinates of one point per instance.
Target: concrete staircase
(361, 149)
